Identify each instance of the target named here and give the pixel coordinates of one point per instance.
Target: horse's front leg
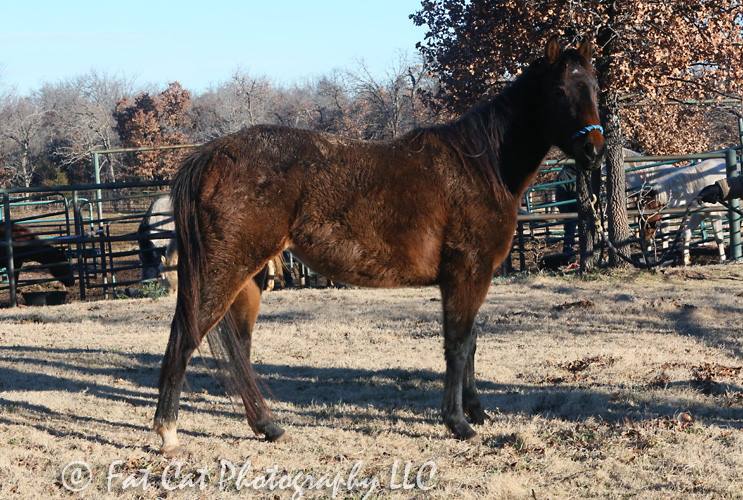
(686, 247)
(462, 295)
(470, 397)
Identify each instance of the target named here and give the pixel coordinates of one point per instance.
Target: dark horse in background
(27, 247)
(436, 206)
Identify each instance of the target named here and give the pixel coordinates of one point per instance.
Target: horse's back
(682, 184)
(159, 217)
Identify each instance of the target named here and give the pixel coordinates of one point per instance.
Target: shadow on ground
(315, 393)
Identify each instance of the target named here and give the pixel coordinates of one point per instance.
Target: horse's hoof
(273, 433)
(461, 430)
(168, 434)
(476, 415)
(170, 451)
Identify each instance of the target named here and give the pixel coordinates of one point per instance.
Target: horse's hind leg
(172, 374)
(245, 311)
(218, 289)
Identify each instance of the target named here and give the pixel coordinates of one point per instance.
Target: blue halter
(587, 129)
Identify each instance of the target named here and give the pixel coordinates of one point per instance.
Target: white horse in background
(660, 187)
(677, 187)
(157, 249)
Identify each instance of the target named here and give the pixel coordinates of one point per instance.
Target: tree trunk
(111, 173)
(26, 175)
(616, 189)
(586, 186)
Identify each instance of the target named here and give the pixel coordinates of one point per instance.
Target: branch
(703, 86)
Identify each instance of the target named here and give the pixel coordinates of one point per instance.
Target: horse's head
(63, 272)
(570, 88)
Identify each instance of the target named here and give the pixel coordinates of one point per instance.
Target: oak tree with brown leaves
(153, 121)
(649, 53)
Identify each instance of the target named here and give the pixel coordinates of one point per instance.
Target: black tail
(236, 372)
(230, 353)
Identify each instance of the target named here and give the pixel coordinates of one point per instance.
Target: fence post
(104, 267)
(522, 257)
(731, 162)
(99, 191)
(10, 265)
(79, 244)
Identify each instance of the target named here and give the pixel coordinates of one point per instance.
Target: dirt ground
(606, 386)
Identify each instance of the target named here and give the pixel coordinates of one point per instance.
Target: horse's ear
(585, 49)
(553, 50)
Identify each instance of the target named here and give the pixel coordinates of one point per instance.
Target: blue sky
(199, 42)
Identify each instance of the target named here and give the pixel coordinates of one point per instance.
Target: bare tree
(294, 106)
(21, 121)
(391, 105)
(240, 102)
(331, 105)
(80, 118)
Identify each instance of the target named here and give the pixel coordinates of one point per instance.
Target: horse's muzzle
(589, 151)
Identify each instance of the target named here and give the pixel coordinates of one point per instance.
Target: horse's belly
(406, 261)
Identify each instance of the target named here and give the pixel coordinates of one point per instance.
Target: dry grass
(613, 386)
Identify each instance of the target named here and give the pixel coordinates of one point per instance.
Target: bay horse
(436, 206)
(28, 247)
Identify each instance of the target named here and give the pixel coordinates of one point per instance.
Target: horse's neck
(523, 141)
(520, 162)
(34, 249)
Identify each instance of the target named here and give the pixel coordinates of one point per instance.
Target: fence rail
(59, 228)
(540, 228)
